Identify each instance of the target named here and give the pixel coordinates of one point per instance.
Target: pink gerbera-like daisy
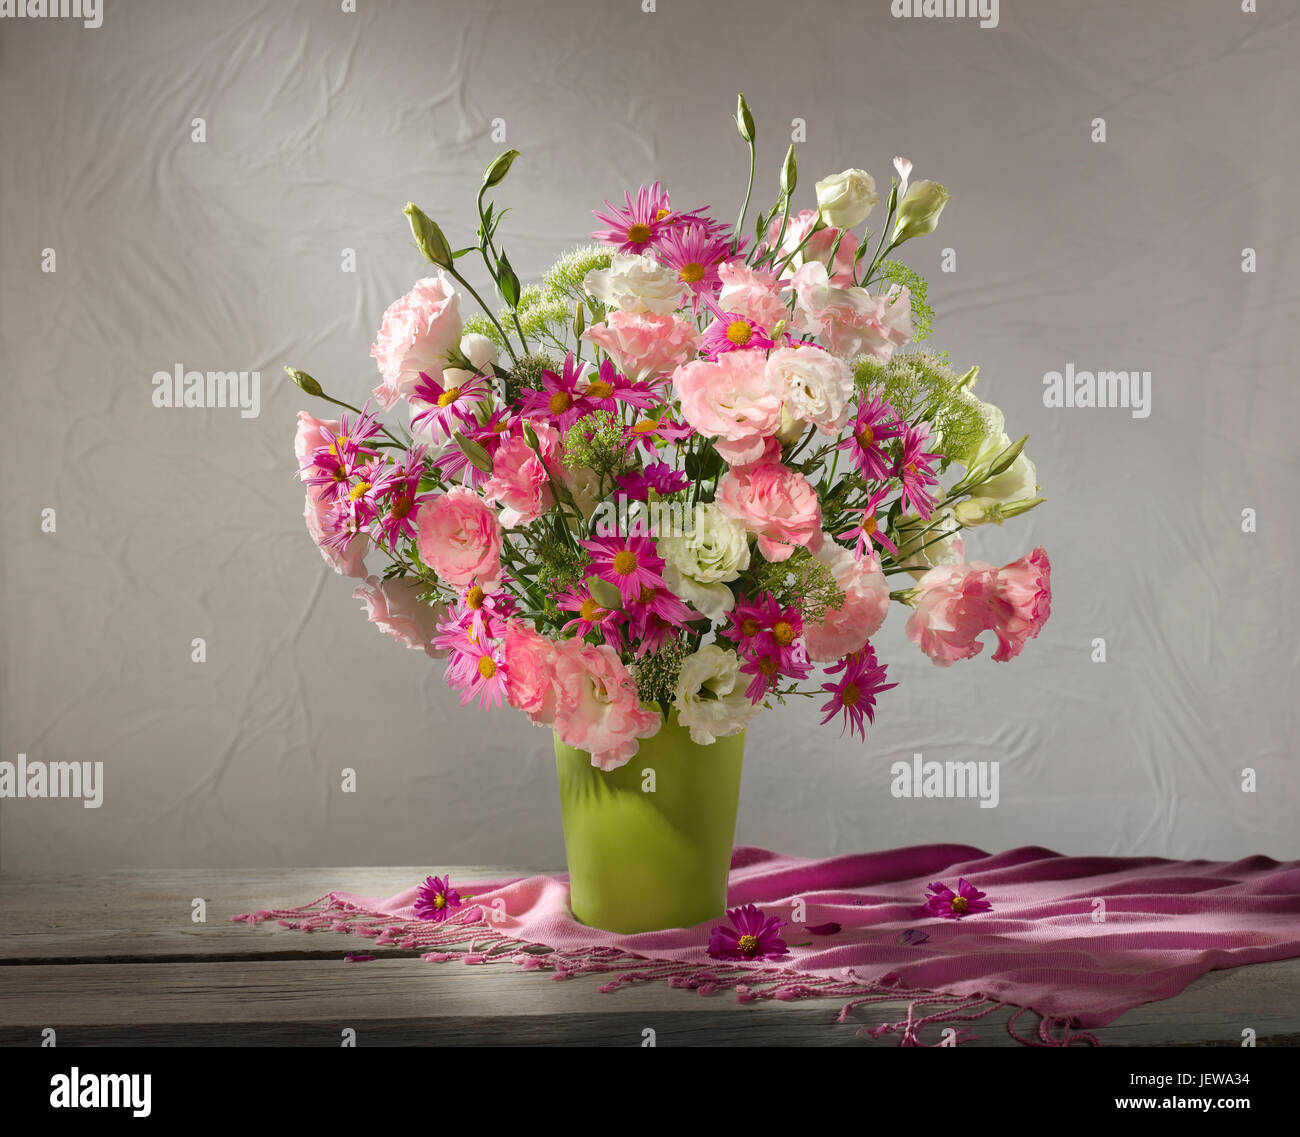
(916, 469)
(591, 617)
(484, 614)
(868, 528)
(853, 695)
(654, 617)
(658, 476)
(750, 935)
(748, 620)
(609, 387)
(628, 563)
(875, 422)
(448, 409)
(694, 254)
(481, 675)
(640, 224)
(650, 433)
(397, 519)
(730, 332)
(559, 402)
(767, 668)
(941, 901)
(436, 898)
(453, 463)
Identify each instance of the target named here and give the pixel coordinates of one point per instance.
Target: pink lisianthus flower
(459, 537)
(394, 608)
(598, 709)
(817, 250)
(955, 604)
(530, 672)
(343, 549)
(416, 333)
(851, 321)
(774, 502)
(732, 399)
(644, 346)
(520, 481)
(846, 629)
(313, 434)
(751, 293)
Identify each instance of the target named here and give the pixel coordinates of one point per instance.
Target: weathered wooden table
(114, 959)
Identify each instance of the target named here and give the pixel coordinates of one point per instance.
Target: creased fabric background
(321, 124)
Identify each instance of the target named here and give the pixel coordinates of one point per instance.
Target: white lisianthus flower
(845, 199)
(636, 283)
(1019, 480)
(710, 697)
(926, 544)
(697, 564)
(816, 386)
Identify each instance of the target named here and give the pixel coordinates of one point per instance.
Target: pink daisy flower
(868, 528)
(481, 675)
(694, 254)
(591, 617)
(610, 387)
(436, 898)
(484, 614)
(875, 422)
(559, 402)
(655, 616)
(916, 469)
(748, 620)
(397, 519)
(640, 224)
(650, 433)
(448, 409)
(730, 332)
(767, 668)
(750, 935)
(854, 694)
(941, 901)
(629, 563)
(658, 476)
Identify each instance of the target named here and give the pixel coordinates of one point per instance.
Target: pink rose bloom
(774, 502)
(417, 332)
(851, 321)
(751, 293)
(643, 345)
(958, 603)
(309, 438)
(460, 539)
(392, 606)
(598, 709)
(819, 246)
(866, 603)
(520, 482)
(731, 399)
(530, 672)
(349, 562)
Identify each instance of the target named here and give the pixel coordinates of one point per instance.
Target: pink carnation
(598, 709)
(393, 607)
(417, 332)
(751, 293)
(956, 604)
(852, 321)
(732, 399)
(520, 481)
(774, 502)
(460, 539)
(642, 345)
(348, 562)
(846, 629)
(530, 672)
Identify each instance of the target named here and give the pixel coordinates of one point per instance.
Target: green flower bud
(428, 236)
(530, 435)
(1016, 508)
(789, 172)
(579, 320)
(967, 381)
(305, 381)
(918, 212)
(496, 173)
(744, 120)
(479, 458)
(604, 593)
(978, 511)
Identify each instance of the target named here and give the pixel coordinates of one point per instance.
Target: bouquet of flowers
(678, 475)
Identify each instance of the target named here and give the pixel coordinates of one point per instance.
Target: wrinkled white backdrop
(320, 124)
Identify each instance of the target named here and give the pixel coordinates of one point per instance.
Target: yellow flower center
(474, 598)
(590, 611)
(487, 667)
(449, 396)
(359, 490)
(645, 426)
(340, 474)
(440, 901)
(660, 214)
(336, 447)
(599, 389)
(691, 272)
(400, 508)
(866, 438)
(748, 945)
(959, 904)
(625, 562)
(767, 666)
(850, 695)
(560, 402)
(783, 633)
(869, 525)
(638, 234)
(749, 628)
(739, 332)
(647, 593)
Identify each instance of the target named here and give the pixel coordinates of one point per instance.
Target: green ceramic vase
(649, 844)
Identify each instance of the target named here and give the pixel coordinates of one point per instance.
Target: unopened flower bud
(789, 173)
(428, 237)
(305, 381)
(744, 120)
(918, 212)
(500, 168)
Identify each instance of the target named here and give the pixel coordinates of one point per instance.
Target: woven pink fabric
(1045, 946)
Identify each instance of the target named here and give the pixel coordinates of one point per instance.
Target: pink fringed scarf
(1078, 940)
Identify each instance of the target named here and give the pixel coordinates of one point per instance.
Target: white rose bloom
(482, 353)
(710, 697)
(635, 283)
(697, 564)
(845, 199)
(918, 544)
(817, 387)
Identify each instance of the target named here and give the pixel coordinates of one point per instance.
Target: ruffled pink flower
(955, 604)
(313, 434)
(752, 293)
(520, 481)
(347, 558)
(598, 709)
(774, 502)
(417, 332)
(392, 606)
(846, 629)
(642, 345)
(460, 539)
(732, 399)
(817, 250)
(530, 673)
(851, 321)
